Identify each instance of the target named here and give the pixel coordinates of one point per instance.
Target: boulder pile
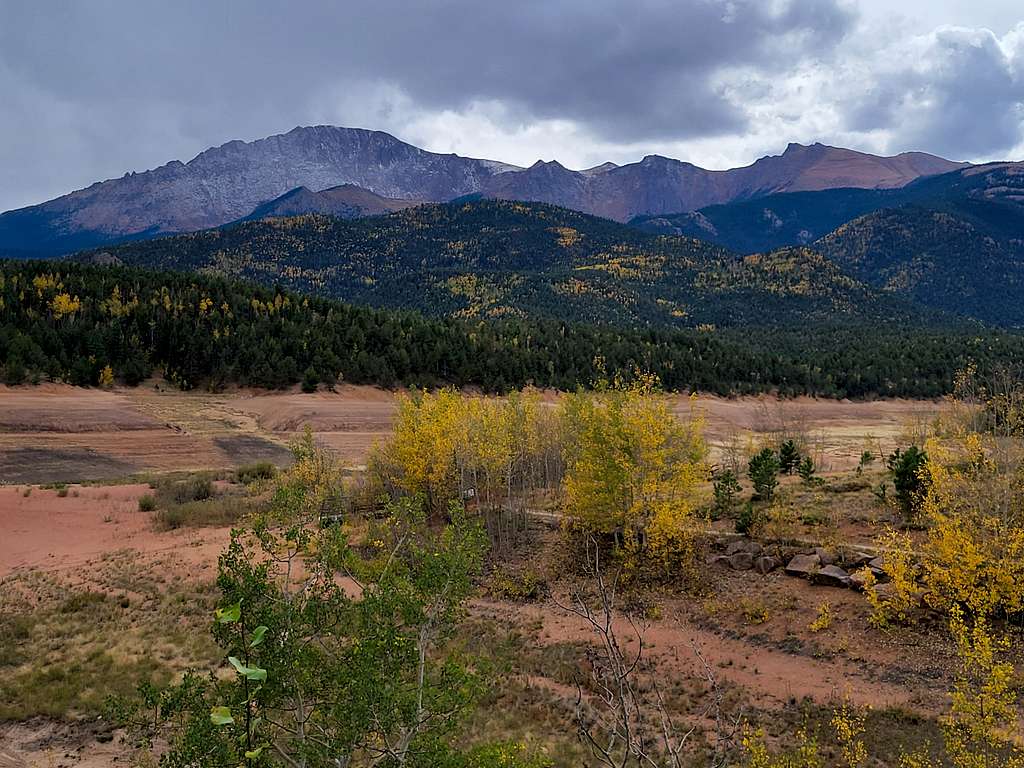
(818, 565)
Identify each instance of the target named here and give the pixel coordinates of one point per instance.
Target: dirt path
(772, 677)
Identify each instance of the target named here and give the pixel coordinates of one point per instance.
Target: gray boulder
(743, 545)
(741, 561)
(803, 565)
(831, 576)
(826, 557)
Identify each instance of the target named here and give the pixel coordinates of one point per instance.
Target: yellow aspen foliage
(309, 488)
(979, 730)
(44, 284)
(633, 467)
(422, 449)
(974, 552)
(848, 723)
(823, 620)
(902, 593)
(446, 445)
(63, 305)
(107, 376)
(804, 755)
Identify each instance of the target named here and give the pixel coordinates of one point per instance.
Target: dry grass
(66, 647)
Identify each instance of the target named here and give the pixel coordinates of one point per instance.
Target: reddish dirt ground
(56, 433)
(45, 532)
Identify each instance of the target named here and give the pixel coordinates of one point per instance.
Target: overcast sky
(90, 90)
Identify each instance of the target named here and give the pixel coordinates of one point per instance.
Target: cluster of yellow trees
(969, 566)
(616, 456)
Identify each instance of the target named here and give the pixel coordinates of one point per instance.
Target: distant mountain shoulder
(346, 201)
(494, 259)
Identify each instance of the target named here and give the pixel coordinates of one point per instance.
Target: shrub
(789, 457)
(220, 511)
(749, 519)
(249, 473)
(763, 471)
(193, 489)
(867, 458)
(726, 489)
(81, 601)
(908, 478)
(753, 611)
(147, 503)
(310, 381)
(806, 472)
(824, 618)
(524, 587)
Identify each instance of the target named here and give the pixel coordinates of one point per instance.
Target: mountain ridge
(493, 259)
(227, 182)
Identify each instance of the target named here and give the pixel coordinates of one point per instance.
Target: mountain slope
(204, 330)
(946, 258)
(492, 259)
(346, 201)
(774, 221)
(228, 182)
(993, 194)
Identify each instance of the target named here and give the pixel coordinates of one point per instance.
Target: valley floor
(56, 433)
(92, 584)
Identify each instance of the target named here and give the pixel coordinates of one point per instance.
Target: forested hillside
(955, 258)
(495, 259)
(90, 325)
(774, 221)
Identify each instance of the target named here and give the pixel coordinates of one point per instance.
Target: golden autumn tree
(420, 458)
(972, 564)
(632, 467)
(493, 452)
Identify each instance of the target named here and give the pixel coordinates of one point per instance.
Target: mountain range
(953, 241)
(493, 259)
(300, 172)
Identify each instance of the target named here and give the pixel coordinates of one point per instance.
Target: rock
(877, 563)
(858, 579)
(884, 591)
(858, 560)
(721, 560)
(880, 576)
(826, 557)
(803, 565)
(831, 576)
(743, 545)
(741, 561)
(765, 564)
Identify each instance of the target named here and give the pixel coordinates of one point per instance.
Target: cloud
(954, 91)
(91, 90)
(113, 85)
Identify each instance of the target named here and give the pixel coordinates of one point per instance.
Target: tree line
(92, 325)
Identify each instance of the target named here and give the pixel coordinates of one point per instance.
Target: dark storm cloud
(89, 90)
(103, 84)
